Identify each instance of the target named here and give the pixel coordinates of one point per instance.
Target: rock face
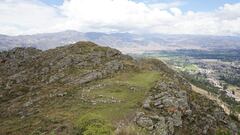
(15, 60)
(167, 104)
(80, 63)
(171, 110)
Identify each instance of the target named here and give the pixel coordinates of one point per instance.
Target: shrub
(223, 132)
(92, 124)
(97, 129)
(131, 130)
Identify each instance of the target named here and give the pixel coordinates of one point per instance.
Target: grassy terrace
(130, 88)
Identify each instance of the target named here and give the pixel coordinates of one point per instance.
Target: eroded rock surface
(166, 105)
(170, 110)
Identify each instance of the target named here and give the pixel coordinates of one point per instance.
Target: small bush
(131, 130)
(92, 124)
(97, 129)
(223, 132)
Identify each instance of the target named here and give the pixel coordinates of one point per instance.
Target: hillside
(85, 89)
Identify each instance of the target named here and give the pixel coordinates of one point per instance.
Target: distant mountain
(126, 42)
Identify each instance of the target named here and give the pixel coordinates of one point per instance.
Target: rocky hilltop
(85, 89)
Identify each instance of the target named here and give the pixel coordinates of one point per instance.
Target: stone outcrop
(165, 107)
(78, 64)
(170, 110)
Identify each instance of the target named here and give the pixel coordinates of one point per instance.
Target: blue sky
(53, 2)
(205, 5)
(193, 5)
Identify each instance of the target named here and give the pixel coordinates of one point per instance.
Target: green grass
(130, 88)
(236, 108)
(92, 124)
(120, 88)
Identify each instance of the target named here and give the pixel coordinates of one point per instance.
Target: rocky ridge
(54, 87)
(170, 110)
(33, 68)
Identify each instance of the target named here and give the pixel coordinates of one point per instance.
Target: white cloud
(166, 5)
(26, 16)
(32, 16)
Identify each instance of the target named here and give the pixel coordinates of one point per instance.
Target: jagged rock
(146, 104)
(158, 103)
(17, 59)
(94, 103)
(83, 64)
(61, 94)
(234, 127)
(90, 77)
(66, 61)
(45, 70)
(169, 102)
(172, 103)
(188, 112)
(113, 66)
(219, 113)
(112, 52)
(18, 78)
(161, 95)
(145, 122)
(56, 77)
(155, 117)
(27, 104)
(170, 125)
(138, 115)
(97, 54)
(161, 127)
(177, 118)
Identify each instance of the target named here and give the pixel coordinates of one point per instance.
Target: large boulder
(90, 77)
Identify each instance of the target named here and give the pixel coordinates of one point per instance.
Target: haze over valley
(126, 42)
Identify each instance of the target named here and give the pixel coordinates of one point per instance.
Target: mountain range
(125, 42)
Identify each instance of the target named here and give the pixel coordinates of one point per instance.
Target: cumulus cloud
(26, 17)
(32, 16)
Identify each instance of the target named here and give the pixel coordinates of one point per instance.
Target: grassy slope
(130, 88)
